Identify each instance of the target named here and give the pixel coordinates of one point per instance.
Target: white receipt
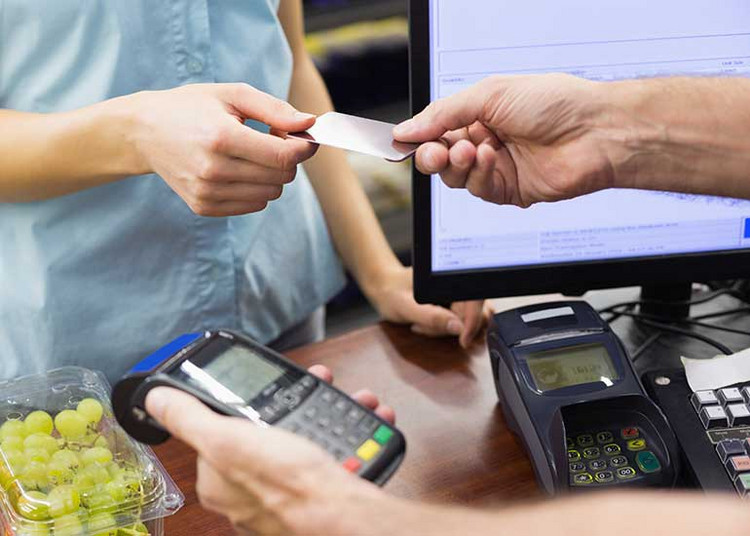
(707, 374)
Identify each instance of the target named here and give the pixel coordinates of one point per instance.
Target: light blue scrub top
(102, 277)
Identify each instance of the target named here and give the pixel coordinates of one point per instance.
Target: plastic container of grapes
(67, 468)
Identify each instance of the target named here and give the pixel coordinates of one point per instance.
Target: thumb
(452, 113)
(276, 113)
(434, 321)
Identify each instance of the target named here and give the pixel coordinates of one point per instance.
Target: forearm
(351, 219)
(49, 155)
(683, 134)
(658, 514)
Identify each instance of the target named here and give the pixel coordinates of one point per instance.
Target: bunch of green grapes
(62, 477)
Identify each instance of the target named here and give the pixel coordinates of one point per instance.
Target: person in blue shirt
(136, 203)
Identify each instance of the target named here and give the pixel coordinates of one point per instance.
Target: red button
(630, 433)
(352, 465)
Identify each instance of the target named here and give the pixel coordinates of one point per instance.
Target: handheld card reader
(236, 376)
(569, 391)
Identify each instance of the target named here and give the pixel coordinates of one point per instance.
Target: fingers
(322, 372)
(432, 158)
(480, 177)
(433, 321)
(472, 315)
(255, 104)
(370, 401)
(452, 113)
(269, 151)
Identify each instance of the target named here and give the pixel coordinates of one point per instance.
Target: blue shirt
(102, 277)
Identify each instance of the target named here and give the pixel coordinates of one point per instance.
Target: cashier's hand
(194, 138)
(265, 480)
(515, 139)
(392, 294)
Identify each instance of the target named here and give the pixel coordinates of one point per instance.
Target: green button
(648, 462)
(382, 434)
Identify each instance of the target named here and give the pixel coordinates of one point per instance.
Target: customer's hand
(392, 294)
(266, 480)
(515, 140)
(195, 139)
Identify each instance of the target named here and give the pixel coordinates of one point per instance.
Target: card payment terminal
(569, 391)
(236, 376)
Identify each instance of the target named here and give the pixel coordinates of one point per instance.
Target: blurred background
(361, 49)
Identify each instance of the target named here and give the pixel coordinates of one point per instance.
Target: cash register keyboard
(725, 415)
(610, 457)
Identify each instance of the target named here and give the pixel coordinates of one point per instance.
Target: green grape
(12, 428)
(68, 525)
(90, 476)
(114, 470)
(41, 441)
(97, 499)
(31, 529)
(67, 457)
(63, 500)
(59, 473)
(37, 455)
(96, 455)
(102, 524)
(124, 489)
(101, 441)
(12, 443)
(34, 475)
(38, 422)
(70, 424)
(11, 465)
(91, 410)
(33, 505)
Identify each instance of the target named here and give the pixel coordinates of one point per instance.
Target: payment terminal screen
(577, 365)
(242, 371)
(606, 41)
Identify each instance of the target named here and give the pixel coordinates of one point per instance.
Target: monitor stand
(667, 301)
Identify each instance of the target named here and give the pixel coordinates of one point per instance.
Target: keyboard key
(604, 437)
(746, 394)
(631, 432)
(338, 430)
(598, 465)
(324, 422)
(738, 414)
(714, 417)
(743, 484)
(591, 453)
(383, 434)
(738, 464)
(310, 412)
(570, 443)
(308, 381)
(612, 449)
(730, 447)
(634, 445)
(703, 398)
(618, 461)
(626, 473)
(338, 454)
(583, 479)
(341, 405)
(328, 396)
(576, 467)
(352, 464)
(585, 440)
(368, 450)
(648, 462)
(730, 395)
(604, 477)
(573, 455)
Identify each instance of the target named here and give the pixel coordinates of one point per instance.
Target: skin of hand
(353, 224)
(195, 139)
(514, 140)
(265, 480)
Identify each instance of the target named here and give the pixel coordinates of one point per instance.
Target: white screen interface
(617, 39)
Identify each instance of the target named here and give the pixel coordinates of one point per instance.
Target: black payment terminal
(569, 391)
(236, 376)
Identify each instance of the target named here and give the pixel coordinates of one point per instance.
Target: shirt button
(194, 66)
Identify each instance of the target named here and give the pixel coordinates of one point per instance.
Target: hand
(195, 139)
(515, 140)
(265, 480)
(393, 296)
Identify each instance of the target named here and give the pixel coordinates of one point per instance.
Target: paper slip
(708, 374)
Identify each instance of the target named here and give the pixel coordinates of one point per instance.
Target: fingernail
(157, 401)
(455, 327)
(302, 116)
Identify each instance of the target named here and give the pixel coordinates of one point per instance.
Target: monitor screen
(473, 39)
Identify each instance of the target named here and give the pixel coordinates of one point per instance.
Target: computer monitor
(466, 248)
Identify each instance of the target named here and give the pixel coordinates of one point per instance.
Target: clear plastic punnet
(67, 468)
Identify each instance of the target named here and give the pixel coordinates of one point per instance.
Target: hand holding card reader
(568, 389)
(236, 376)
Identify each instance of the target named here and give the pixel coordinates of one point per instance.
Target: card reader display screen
(576, 365)
(242, 371)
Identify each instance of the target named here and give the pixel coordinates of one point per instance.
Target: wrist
(130, 115)
(379, 276)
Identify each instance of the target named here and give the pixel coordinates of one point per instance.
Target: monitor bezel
(573, 278)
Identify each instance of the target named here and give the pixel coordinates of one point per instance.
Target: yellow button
(368, 449)
(636, 444)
